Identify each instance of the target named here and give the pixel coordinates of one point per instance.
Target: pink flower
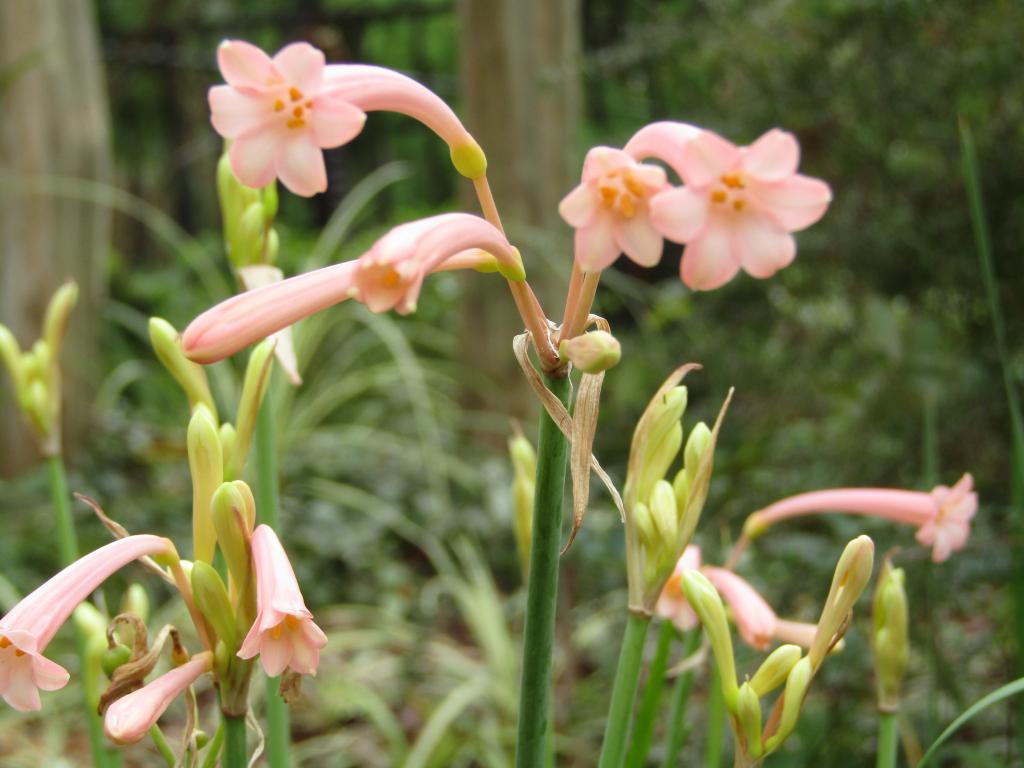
(280, 114)
(610, 210)
(388, 276)
(29, 626)
(738, 206)
(663, 140)
(943, 517)
(129, 719)
(284, 634)
(672, 603)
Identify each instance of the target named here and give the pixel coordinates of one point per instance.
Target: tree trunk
(55, 124)
(521, 87)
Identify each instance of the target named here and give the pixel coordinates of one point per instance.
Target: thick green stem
(677, 730)
(620, 713)
(103, 755)
(267, 501)
(713, 746)
(542, 587)
(888, 740)
(236, 754)
(650, 701)
(160, 742)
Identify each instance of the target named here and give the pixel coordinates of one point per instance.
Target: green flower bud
(211, 598)
(270, 200)
(58, 312)
(271, 246)
(10, 354)
(114, 658)
(469, 159)
(524, 469)
(206, 464)
(665, 516)
(748, 715)
(851, 576)
(592, 352)
(190, 376)
(233, 530)
(257, 374)
(797, 683)
(696, 446)
(704, 599)
(135, 600)
(660, 440)
(775, 669)
(227, 446)
(889, 638)
(516, 271)
(248, 245)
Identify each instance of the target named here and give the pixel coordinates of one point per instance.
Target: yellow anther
(292, 622)
(294, 93)
(733, 180)
(719, 196)
(278, 106)
(634, 186)
(276, 631)
(627, 206)
(18, 652)
(608, 195)
(297, 111)
(296, 122)
(4, 642)
(738, 205)
(390, 280)
(309, 105)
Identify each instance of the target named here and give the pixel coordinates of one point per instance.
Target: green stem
(713, 746)
(236, 754)
(888, 740)
(620, 713)
(160, 741)
(103, 755)
(677, 730)
(650, 702)
(542, 587)
(213, 750)
(267, 503)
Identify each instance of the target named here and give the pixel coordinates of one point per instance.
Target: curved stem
(620, 713)
(888, 740)
(267, 502)
(677, 730)
(650, 701)
(236, 753)
(577, 308)
(542, 587)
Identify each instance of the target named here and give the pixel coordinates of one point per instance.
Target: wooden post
(55, 124)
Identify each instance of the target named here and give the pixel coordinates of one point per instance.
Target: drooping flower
(943, 516)
(28, 627)
(129, 719)
(284, 634)
(738, 206)
(388, 276)
(610, 210)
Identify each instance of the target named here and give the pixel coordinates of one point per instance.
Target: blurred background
(870, 361)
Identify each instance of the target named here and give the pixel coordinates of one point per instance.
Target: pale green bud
(703, 598)
(696, 446)
(227, 446)
(37, 406)
(90, 621)
(39, 360)
(665, 515)
(851, 576)
(190, 376)
(206, 464)
(257, 375)
(135, 600)
(230, 519)
(775, 669)
(644, 523)
(248, 246)
(656, 442)
(270, 201)
(592, 352)
(797, 683)
(10, 354)
(212, 600)
(748, 714)
(681, 488)
(58, 312)
(524, 469)
(115, 657)
(889, 639)
(271, 247)
(469, 159)
(516, 271)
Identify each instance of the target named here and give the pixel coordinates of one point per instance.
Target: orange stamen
(737, 205)
(719, 196)
(294, 93)
(296, 122)
(278, 106)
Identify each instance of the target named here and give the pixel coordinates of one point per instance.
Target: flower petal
(679, 213)
(300, 165)
(48, 675)
(638, 239)
(761, 246)
(772, 157)
(302, 66)
(602, 160)
(254, 154)
(706, 157)
(708, 261)
(233, 112)
(21, 692)
(334, 121)
(796, 202)
(275, 653)
(244, 65)
(579, 206)
(595, 244)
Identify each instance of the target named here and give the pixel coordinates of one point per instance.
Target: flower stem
(103, 756)
(213, 750)
(650, 702)
(620, 713)
(888, 740)
(267, 500)
(160, 741)
(236, 753)
(542, 587)
(677, 730)
(713, 752)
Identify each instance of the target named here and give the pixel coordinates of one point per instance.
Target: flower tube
(942, 517)
(29, 626)
(284, 634)
(129, 719)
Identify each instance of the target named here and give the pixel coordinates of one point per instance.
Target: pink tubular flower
(388, 276)
(610, 210)
(280, 114)
(284, 634)
(129, 719)
(738, 206)
(943, 517)
(663, 140)
(29, 626)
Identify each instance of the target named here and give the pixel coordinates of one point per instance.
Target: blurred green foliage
(868, 362)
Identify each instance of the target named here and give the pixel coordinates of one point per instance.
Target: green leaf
(998, 695)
